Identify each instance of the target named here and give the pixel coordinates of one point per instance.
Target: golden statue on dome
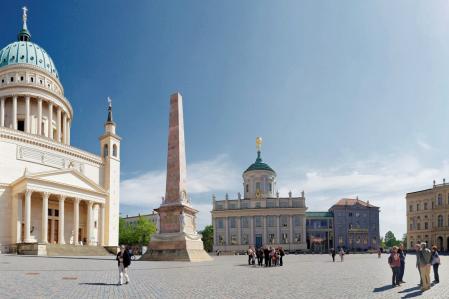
(258, 143)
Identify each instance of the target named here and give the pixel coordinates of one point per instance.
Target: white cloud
(203, 179)
(383, 181)
(424, 145)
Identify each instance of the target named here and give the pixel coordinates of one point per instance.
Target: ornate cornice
(41, 141)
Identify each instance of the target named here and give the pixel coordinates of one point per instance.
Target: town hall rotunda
(51, 193)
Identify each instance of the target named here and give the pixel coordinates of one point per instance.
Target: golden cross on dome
(258, 143)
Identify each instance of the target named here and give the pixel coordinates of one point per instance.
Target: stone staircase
(72, 250)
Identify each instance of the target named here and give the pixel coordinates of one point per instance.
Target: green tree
(390, 240)
(208, 238)
(136, 234)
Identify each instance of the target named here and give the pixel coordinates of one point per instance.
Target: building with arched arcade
(50, 191)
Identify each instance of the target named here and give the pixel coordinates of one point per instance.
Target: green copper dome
(259, 165)
(26, 52)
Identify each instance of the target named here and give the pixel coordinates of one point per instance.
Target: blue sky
(350, 97)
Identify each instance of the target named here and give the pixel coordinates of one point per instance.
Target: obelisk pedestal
(177, 239)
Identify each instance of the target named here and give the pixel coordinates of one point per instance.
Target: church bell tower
(110, 153)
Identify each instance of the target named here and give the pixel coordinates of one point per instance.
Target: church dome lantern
(259, 178)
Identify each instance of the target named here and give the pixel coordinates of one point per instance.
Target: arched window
(440, 199)
(247, 188)
(440, 221)
(105, 150)
(114, 150)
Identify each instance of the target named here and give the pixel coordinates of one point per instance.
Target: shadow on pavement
(98, 284)
(414, 294)
(382, 289)
(417, 288)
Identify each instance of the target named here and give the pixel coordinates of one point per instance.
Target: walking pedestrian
(260, 256)
(342, 254)
(425, 257)
(418, 248)
(124, 260)
(281, 254)
(333, 252)
(379, 252)
(402, 255)
(395, 263)
(250, 255)
(435, 264)
(266, 253)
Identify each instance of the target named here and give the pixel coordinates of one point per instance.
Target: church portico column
(14, 112)
(2, 112)
(18, 201)
(28, 194)
(76, 220)
(58, 124)
(278, 231)
(39, 117)
(64, 122)
(89, 222)
(61, 220)
(50, 120)
(44, 226)
(290, 229)
(27, 114)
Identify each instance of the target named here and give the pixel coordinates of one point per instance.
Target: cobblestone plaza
(302, 276)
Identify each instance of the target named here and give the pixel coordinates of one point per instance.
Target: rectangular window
(245, 222)
(257, 186)
(220, 223)
(410, 208)
(284, 238)
(232, 222)
(426, 225)
(234, 240)
(49, 212)
(284, 221)
(271, 221)
(271, 238)
(297, 238)
(258, 220)
(57, 213)
(350, 214)
(296, 220)
(21, 125)
(419, 226)
(245, 240)
(425, 206)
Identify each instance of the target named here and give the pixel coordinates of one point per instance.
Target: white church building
(51, 193)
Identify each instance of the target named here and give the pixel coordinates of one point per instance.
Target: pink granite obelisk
(177, 239)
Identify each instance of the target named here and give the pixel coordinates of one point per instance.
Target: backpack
(390, 259)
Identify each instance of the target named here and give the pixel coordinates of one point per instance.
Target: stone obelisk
(177, 239)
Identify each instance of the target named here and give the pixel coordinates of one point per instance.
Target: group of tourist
(341, 253)
(425, 259)
(270, 255)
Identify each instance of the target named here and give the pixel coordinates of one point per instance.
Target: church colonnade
(37, 116)
(49, 217)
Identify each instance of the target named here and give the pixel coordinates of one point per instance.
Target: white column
(76, 220)
(50, 120)
(226, 231)
(44, 226)
(239, 230)
(19, 217)
(39, 117)
(290, 226)
(102, 215)
(279, 229)
(14, 112)
(27, 115)
(251, 223)
(89, 222)
(64, 121)
(58, 124)
(61, 220)
(2, 112)
(68, 131)
(265, 237)
(28, 216)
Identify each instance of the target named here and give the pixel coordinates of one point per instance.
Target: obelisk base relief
(178, 239)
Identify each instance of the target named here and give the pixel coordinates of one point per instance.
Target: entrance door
(258, 240)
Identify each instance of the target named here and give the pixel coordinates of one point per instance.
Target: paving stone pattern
(302, 276)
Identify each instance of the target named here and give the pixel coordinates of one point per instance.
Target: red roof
(353, 202)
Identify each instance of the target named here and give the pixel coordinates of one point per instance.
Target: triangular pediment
(67, 177)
